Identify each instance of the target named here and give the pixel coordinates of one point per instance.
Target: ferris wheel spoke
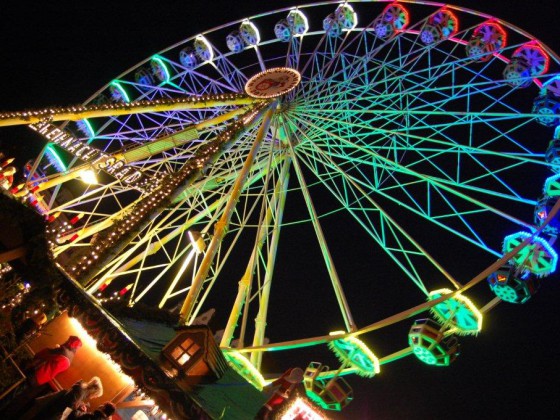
(424, 210)
(331, 52)
(293, 54)
(264, 289)
(416, 89)
(360, 62)
(400, 137)
(395, 167)
(335, 280)
(200, 82)
(415, 145)
(383, 229)
(172, 261)
(323, 60)
(173, 223)
(175, 227)
(198, 282)
(228, 71)
(389, 235)
(239, 221)
(432, 72)
(391, 320)
(415, 80)
(267, 232)
(357, 38)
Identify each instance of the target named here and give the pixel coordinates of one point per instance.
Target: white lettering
(108, 162)
(118, 165)
(74, 146)
(113, 166)
(80, 151)
(87, 157)
(132, 178)
(67, 142)
(52, 133)
(100, 158)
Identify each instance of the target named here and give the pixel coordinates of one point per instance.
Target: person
(105, 411)
(46, 364)
(52, 406)
(49, 362)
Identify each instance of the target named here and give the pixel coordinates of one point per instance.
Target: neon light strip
(50, 150)
(123, 93)
(89, 127)
(158, 60)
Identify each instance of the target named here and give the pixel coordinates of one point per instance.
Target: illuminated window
(184, 351)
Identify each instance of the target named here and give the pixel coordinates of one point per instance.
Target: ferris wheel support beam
(221, 226)
(246, 280)
(80, 112)
(260, 320)
(155, 246)
(245, 283)
(192, 254)
(135, 300)
(151, 148)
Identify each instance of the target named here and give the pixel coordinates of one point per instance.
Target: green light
(316, 398)
(425, 355)
(89, 127)
(158, 62)
(53, 154)
(552, 186)
(458, 311)
(245, 368)
(509, 294)
(121, 90)
(538, 256)
(353, 351)
(430, 346)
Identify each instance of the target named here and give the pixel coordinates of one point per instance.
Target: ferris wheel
(259, 167)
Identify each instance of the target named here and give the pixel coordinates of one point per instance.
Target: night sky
(60, 53)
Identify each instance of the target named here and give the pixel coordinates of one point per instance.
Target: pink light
(301, 409)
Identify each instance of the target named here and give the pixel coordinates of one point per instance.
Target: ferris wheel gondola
(410, 127)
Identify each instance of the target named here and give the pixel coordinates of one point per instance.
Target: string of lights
(79, 112)
(86, 264)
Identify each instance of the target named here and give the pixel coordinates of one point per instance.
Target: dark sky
(58, 53)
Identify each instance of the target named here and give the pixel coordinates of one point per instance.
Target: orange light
(302, 409)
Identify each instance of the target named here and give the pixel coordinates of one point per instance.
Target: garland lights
(90, 342)
(86, 263)
(129, 106)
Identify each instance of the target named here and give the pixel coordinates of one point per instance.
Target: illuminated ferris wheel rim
(319, 4)
(251, 70)
(291, 9)
(325, 3)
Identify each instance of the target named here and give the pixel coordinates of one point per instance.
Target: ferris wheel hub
(272, 83)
